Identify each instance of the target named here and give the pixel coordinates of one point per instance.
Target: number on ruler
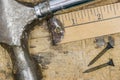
(99, 16)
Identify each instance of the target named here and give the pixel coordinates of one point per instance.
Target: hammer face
(13, 19)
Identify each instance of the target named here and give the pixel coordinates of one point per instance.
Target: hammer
(13, 20)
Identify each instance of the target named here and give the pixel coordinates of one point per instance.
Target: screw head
(111, 63)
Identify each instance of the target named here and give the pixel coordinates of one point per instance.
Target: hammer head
(13, 19)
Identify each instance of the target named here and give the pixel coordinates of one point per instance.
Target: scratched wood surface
(66, 61)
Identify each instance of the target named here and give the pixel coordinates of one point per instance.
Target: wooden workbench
(66, 61)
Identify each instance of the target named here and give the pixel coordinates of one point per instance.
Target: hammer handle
(25, 67)
(51, 6)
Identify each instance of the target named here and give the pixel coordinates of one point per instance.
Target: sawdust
(64, 62)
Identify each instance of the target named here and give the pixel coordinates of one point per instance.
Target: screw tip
(90, 63)
(85, 72)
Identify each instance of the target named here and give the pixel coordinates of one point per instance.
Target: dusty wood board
(66, 60)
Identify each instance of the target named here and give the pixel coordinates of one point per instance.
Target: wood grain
(66, 61)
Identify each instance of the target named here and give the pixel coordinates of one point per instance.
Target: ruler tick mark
(73, 21)
(111, 7)
(114, 9)
(91, 11)
(107, 7)
(82, 14)
(90, 15)
(94, 11)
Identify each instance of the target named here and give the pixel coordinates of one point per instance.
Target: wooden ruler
(89, 23)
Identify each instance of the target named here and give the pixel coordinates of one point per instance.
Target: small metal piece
(111, 40)
(100, 41)
(109, 46)
(109, 63)
(56, 29)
